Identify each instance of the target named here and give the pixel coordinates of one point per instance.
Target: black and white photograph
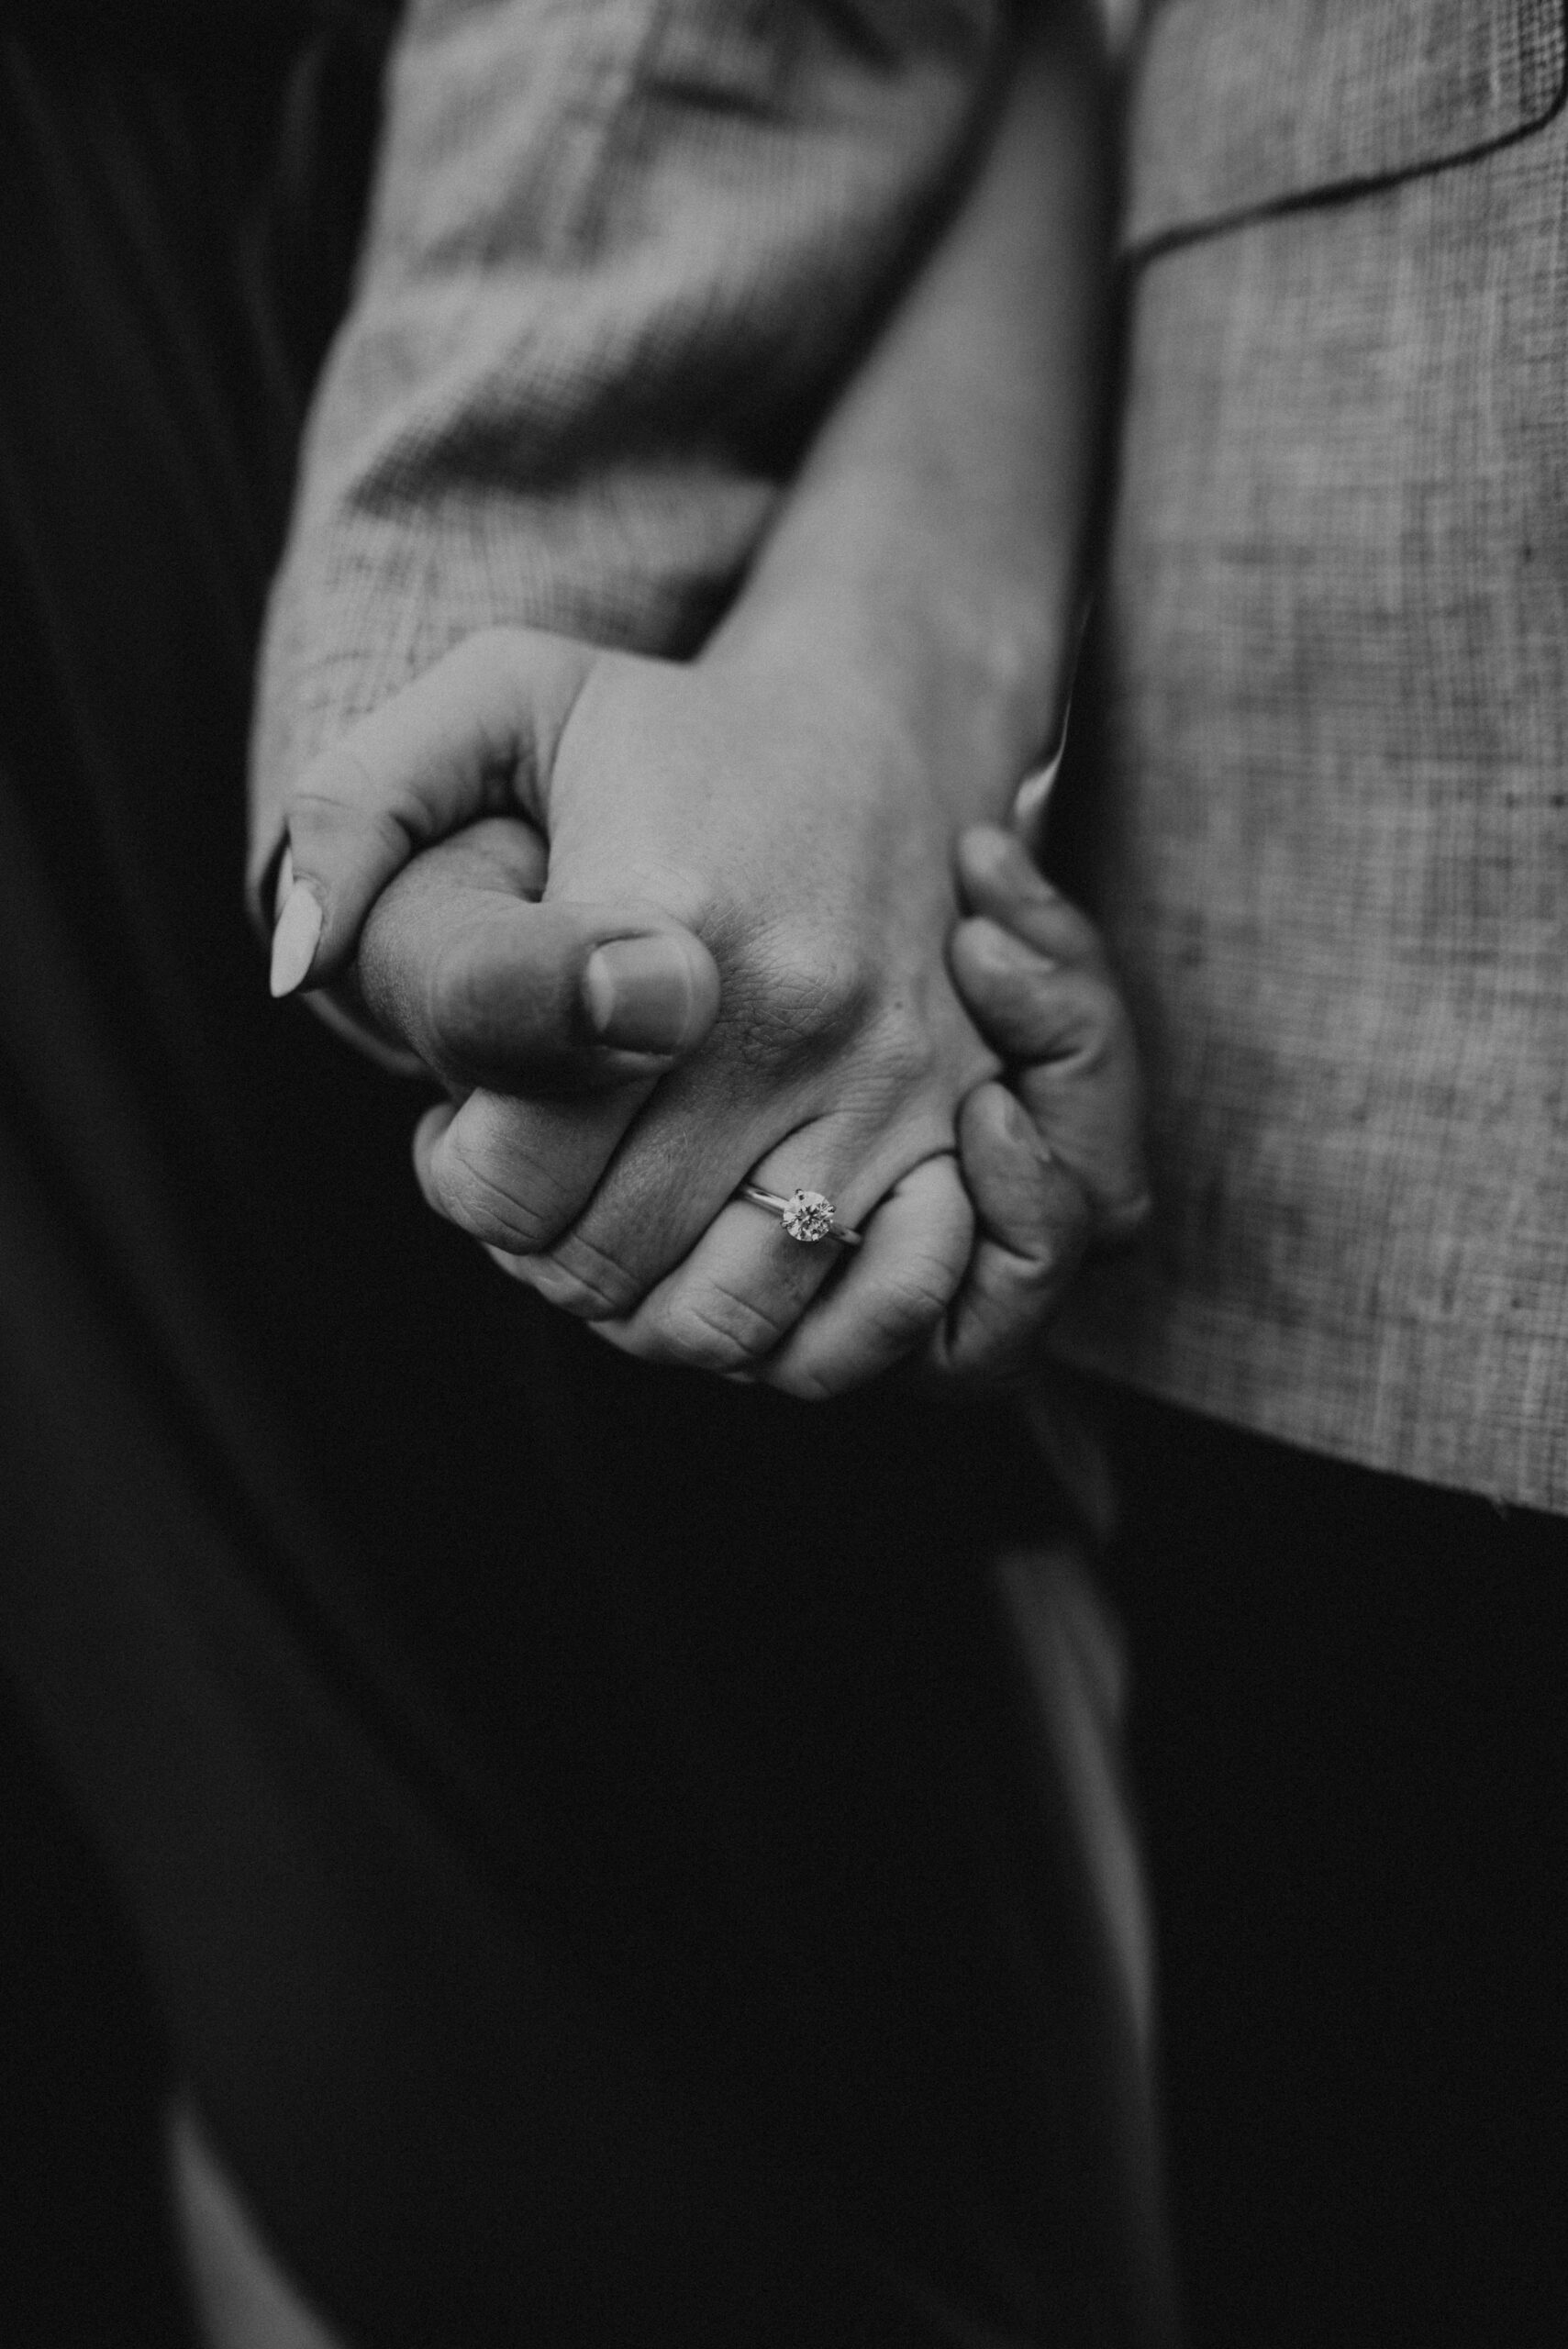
(784, 1173)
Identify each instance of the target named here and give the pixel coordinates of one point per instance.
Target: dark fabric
(85, 2246)
(1349, 1736)
(573, 1816)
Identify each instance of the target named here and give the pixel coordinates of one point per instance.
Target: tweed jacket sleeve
(1325, 731)
(621, 254)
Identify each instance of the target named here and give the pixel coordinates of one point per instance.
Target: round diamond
(807, 1216)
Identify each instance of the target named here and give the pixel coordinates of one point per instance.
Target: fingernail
(638, 994)
(296, 939)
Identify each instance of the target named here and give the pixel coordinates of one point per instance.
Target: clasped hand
(664, 927)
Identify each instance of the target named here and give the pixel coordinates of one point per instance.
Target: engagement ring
(806, 1216)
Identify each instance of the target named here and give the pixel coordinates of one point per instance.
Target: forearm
(905, 633)
(618, 264)
(930, 559)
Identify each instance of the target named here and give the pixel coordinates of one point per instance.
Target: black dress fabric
(576, 1820)
(1350, 1733)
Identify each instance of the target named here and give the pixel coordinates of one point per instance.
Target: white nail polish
(296, 939)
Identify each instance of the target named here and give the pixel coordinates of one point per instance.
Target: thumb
(474, 736)
(492, 989)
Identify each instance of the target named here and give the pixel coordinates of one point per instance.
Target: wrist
(964, 679)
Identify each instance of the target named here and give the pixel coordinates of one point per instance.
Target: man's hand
(460, 963)
(808, 851)
(485, 985)
(789, 800)
(1053, 1158)
(460, 960)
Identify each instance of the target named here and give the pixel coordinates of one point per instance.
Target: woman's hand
(801, 847)
(780, 814)
(796, 1067)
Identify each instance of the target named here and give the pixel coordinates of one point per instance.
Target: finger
(729, 1283)
(890, 1295)
(514, 1175)
(998, 877)
(1061, 1025)
(743, 1287)
(690, 1274)
(748, 1303)
(734, 1299)
(470, 738)
(699, 1139)
(1033, 1222)
(459, 962)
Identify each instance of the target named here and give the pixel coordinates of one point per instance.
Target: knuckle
(1107, 1022)
(905, 1048)
(901, 1316)
(338, 841)
(1031, 1281)
(1101, 1026)
(717, 1328)
(588, 1281)
(340, 791)
(493, 1207)
(794, 1000)
(1064, 930)
(1065, 1025)
(892, 1325)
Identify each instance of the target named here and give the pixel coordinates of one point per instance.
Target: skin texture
(776, 823)
(862, 1075)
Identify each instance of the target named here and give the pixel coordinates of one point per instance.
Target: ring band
(806, 1216)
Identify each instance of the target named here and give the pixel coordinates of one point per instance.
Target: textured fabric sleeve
(620, 253)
